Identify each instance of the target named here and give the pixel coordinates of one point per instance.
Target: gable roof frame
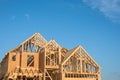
(30, 38)
(87, 55)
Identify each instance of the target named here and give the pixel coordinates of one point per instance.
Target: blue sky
(94, 24)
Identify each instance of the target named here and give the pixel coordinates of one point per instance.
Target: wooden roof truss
(32, 44)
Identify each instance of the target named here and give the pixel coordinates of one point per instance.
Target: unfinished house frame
(38, 59)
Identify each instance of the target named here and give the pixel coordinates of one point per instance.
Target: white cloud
(110, 8)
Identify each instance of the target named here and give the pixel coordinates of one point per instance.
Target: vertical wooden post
(59, 55)
(54, 58)
(44, 71)
(84, 67)
(77, 65)
(81, 66)
(91, 68)
(62, 73)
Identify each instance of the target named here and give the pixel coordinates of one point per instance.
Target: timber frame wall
(37, 59)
